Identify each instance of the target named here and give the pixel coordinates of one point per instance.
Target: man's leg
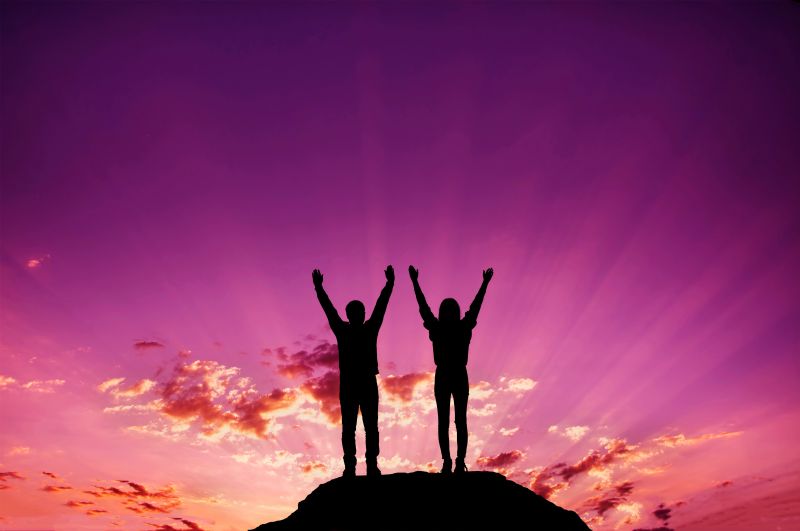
(369, 416)
(349, 405)
(460, 397)
(441, 390)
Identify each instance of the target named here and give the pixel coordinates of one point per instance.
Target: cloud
(402, 387)
(518, 385)
(551, 479)
(143, 344)
(484, 411)
(188, 525)
(675, 441)
(573, 433)
(51, 475)
(304, 363)
(663, 512)
(78, 504)
(6, 381)
(34, 263)
(508, 432)
(137, 498)
(501, 461)
(5, 476)
(109, 384)
(480, 391)
(113, 387)
(219, 400)
(324, 390)
(610, 499)
(314, 468)
(56, 488)
(43, 386)
(19, 450)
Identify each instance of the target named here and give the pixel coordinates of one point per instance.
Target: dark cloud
(51, 475)
(4, 476)
(303, 363)
(726, 483)
(500, 461)
(610, 499)
(144, 344)
(663, 513)
(148, 507)
(78, 504)
(187, 525)
(56, 488)
(402, 387)
(138, 498)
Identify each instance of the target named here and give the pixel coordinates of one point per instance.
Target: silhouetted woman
(450, 335)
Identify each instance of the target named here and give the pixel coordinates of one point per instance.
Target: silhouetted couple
(358, 365)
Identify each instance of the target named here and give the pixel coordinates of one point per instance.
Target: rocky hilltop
(422, 501)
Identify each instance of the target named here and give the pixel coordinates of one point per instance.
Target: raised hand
(316, 276)
(488, 274)
(413, 272)
(389, 273)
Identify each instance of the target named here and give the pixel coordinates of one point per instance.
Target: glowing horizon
(171, 175)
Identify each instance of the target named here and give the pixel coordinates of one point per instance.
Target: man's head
(449, 311)
(355, 312)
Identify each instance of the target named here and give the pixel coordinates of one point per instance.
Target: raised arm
(383, 299)
(330, 311)
(424, 309)
(471, 317)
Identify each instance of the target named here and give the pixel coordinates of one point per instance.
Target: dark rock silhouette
(419, 500)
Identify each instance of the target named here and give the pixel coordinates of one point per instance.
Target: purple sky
(172, 172)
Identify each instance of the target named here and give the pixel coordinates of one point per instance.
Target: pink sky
(171, 174)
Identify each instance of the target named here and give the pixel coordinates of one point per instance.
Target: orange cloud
(675, 441)
(214, 395)
(402, 387)
(325, 391)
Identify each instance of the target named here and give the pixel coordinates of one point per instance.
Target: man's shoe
(461, 468)
(447, 464)
(373, 470)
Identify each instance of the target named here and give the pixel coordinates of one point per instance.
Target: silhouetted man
(358, 364)
(450, 335)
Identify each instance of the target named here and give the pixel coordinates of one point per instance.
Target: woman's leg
(441, 390)
(460, 397)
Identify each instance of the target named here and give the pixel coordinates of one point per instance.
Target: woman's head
(449, 311)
